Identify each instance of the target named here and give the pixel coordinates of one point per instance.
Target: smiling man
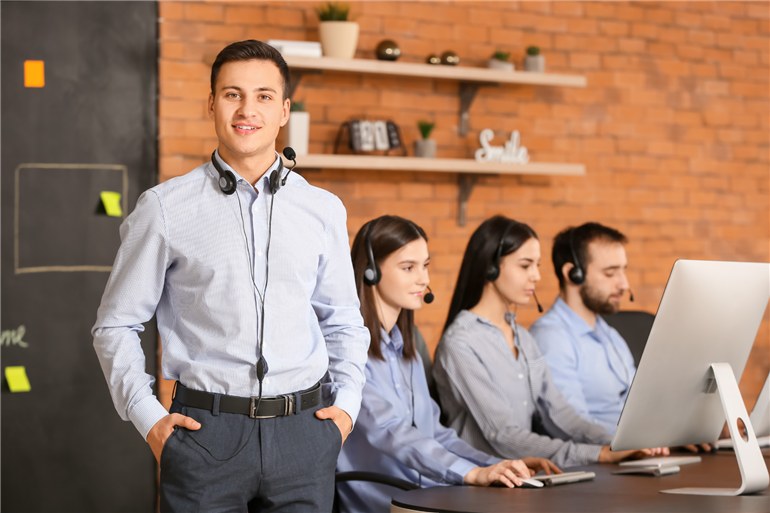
(243, 264)
(589, 360)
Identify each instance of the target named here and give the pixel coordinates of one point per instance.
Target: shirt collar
(393, 339)
(576, 323)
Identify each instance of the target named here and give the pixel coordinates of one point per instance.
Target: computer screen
(710, 312)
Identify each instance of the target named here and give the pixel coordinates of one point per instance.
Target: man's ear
(211, 105)
(565, 269)
(285, 113)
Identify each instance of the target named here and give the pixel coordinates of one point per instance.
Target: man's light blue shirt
(188, 254)
(393, 439)
(592, 367)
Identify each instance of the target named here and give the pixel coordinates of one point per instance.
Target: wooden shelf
(459, 73)
(395, 163)
(469, 78)
(468, 170)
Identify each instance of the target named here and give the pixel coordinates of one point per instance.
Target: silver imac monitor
(686, 384)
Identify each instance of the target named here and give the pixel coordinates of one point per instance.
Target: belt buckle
(253, 403)
(288, 401)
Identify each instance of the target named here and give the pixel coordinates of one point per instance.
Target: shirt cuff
(457, 471)
(146, 413)
(348, 401)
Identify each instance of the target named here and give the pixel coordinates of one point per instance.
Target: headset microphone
(429, 297)
(631, 295)
(290, 154)
(539, 306)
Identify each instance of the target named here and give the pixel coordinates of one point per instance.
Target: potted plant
(298, 128)
(425, 147)
(339, 36)
(500, 60)
(534, 61)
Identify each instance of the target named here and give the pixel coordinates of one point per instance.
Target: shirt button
(521, 376)
(525, 403)
(398, 385)
(259, 253)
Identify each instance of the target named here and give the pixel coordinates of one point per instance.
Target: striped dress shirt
(491, 397)
(196, 258)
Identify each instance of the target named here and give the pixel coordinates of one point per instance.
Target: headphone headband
(372, 274)
(493, 271)
(576, 275)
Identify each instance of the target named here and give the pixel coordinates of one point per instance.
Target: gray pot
(425, 148)
(535, 63)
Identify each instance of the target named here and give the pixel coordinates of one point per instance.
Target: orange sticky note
(34, 73)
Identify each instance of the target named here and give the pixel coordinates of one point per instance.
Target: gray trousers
(237, 464)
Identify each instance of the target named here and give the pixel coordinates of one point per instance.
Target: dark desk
(606, 493)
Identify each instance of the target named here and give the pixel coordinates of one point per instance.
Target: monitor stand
(754, 476)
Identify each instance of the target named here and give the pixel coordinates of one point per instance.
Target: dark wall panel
(92, 127)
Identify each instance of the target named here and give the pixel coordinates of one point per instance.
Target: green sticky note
(17, 379)
(111, 202)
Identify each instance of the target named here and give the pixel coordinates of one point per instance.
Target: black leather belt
(267, 407)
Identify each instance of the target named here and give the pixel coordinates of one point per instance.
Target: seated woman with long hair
(398, 431)
(494, 385)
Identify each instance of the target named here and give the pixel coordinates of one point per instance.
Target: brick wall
(673, 126)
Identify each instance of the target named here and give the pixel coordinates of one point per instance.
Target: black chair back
(634, 326)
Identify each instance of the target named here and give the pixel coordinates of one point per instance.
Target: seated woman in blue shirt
(398, 431)
(494, 384)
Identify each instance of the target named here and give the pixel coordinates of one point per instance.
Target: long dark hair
(496, 234)
(385, 234)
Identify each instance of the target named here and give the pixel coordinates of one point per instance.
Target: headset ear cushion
(371, 276)
(576, 275)
(493, 272)
(227, 182)
(275, 180)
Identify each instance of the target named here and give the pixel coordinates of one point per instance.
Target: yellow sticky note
(34, 73)
(17, 379)
(111, 202)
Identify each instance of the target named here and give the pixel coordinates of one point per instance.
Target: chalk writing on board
(13, 337)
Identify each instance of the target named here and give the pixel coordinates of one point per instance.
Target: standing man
(589, 360)
(247, 269)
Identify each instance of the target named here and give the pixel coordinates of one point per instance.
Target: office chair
(371, 477)
(634, 326)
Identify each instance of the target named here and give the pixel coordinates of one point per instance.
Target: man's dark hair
(573, 242)
(251, 49)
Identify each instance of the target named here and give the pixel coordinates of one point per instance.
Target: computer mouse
(531, 483)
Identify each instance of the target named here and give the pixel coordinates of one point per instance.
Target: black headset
(493, 271)
(576, 275)
(372, 273)
(227, 182)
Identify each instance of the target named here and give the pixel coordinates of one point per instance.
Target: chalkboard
(79, 121)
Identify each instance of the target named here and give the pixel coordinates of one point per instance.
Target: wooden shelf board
(395, 163)
(459, 73)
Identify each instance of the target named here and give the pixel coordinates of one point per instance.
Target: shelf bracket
(468, 92)
(465, 184)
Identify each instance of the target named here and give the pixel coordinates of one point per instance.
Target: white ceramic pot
(501, 65)
(338, 38)
(298, 132)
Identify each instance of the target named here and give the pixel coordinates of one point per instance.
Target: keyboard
(727, 443)
(565, 478)
(662, 461)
